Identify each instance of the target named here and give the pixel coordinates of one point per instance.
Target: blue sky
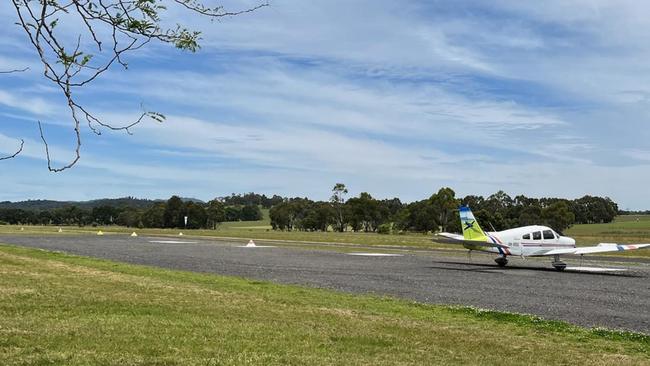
(390, 97)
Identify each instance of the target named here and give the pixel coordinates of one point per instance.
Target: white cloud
(33, 105)
(292, 99)
(637, 154)
(394, 98)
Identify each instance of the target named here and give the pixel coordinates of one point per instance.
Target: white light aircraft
(527, 241)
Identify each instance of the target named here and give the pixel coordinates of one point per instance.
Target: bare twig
(47, 151)
(114, 28)
(216, 12)
(14, 71)
(22, 144)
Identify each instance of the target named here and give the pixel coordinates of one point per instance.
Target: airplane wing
(449, 238)
(600, 248)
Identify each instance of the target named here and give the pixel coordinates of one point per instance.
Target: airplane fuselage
(528, 241)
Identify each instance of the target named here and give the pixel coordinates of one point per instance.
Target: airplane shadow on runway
(494, 269)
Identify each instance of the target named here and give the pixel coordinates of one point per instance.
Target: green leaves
(187, 40)
(78, 58)
(85, 60)
(143, 27)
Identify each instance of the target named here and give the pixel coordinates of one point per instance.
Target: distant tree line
(360, 214)
(437, 213)
(252, 199)
(165, 214)
(502, 211)
(47, 205)
(632, 212)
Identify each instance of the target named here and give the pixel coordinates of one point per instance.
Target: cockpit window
(548, 234)
(537, 235)
(527, 236)
(557, 236)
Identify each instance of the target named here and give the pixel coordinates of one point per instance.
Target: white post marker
(251, 244)
(100, 233)
(185, 218)
(22, 229)
(60, 230)
(180, 234)
(134, 234)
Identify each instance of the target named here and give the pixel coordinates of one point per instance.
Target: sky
(393, 98)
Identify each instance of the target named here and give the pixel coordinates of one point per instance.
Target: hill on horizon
(37, 205)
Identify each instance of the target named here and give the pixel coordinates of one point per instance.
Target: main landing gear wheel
(501, 261)
(558, 264)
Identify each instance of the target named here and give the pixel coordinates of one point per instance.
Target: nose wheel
(501, 261)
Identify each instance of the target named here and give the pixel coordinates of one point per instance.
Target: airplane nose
(570, 240)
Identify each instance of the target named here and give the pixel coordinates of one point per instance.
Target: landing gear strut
(558, 264)
(501, 261)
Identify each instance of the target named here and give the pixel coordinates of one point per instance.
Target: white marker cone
(22, 229)
(60, 230)
(134, 234)
(250, 244)
(100, 233)
(180, 234)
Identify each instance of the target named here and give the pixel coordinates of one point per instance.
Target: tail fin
(471, 230)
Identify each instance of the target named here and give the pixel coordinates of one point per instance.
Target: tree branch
(114, 28)
(22, 144)
(14, 71)
(47, 151)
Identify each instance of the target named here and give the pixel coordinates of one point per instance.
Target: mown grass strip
(69, 310)
(623, 230)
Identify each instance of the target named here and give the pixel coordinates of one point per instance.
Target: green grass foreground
(58, 309)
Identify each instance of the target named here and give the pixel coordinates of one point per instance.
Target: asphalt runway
(618, 300)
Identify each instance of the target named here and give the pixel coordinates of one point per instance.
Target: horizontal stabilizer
(449, 238)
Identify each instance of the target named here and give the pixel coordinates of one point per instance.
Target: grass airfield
(68, 310)
(58, 309)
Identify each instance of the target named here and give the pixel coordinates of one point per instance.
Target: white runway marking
(595, 269)
(171, 242)
(376, 254)
(257, 246)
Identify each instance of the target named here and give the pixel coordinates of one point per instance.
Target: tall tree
(233, 213)
(251, 212)
(130, 217)
(558, 216)
(338, 199)
(446, 204)
(105, 215)
(196, 215)
(154, 216)
(320, 216)
(280, 215)
(365, 213)
(216, 212)
(530, 215)
(174, 212)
